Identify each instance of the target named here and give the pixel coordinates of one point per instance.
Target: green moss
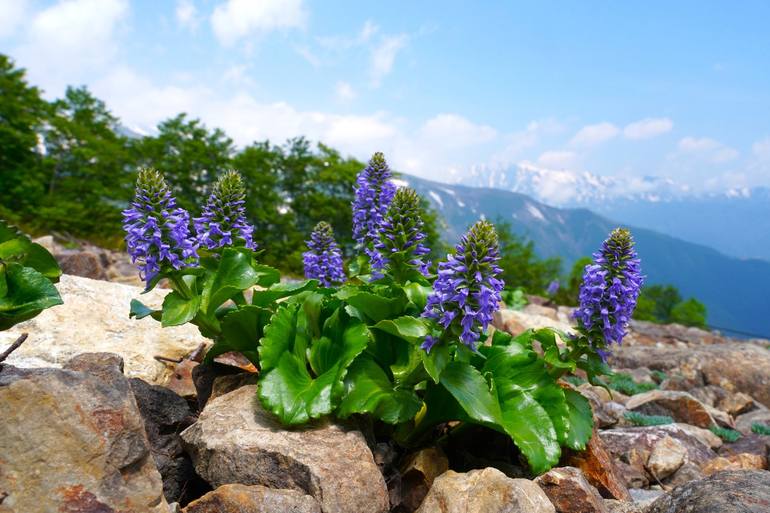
(625, 384)
(726, 434)
(574, 380)
(659, 376)
(760, 429)
(640, 419)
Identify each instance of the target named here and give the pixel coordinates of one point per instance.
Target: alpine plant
(610, 289)
(157, 231)
(466, 292)
(223, 221)
(401, 236)
(373, 193)
(323, 260)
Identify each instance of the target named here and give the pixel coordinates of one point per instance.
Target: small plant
(640, 419)
(726, 434)
(27, 276)
(625, 384)
(575, 381)
(760, 429)
(514, 299)
(659, 376)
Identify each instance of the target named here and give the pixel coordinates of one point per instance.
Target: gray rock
(730, 491)
(569, 491)
(236, 441)
(622, 441)
(668, 454)
(81, 263)
(237, 498)
(744, 422)
(484, 491)
(73, 440)
(682, 406)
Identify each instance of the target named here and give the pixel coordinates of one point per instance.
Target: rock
(94, 318)
(599, 399)
(484, 491)
(236, 441)
(624, 443)
(751, 444)
(516, 322)
(680, 405)
(687, 472)
(74, 441)
(645, 497)
(569, 491)
(418, 473)
(165, 415)
(744, 422)
(598, 468)
(238, 498)
(634, 476)
(744, 461)
(668, 454)
(728, 402)
(704, 436)
(227, 383)
(81, 263)
(746, 491)
(615, 506)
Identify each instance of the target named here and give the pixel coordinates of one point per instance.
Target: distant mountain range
(734, 290)
(734, 221)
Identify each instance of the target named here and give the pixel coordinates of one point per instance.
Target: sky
(628, 89)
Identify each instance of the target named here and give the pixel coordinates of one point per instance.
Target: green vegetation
(625, 384)
(659, 376)
(574, 380)
(520, 262)
(726, 434)
(640, 419)
(514, 299)
(568, 294)
(760, 429)
(664, 304)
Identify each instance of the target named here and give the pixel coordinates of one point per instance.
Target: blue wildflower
(223, 222)
(466, 292)
(610, 289)
(373, 193)
(323, 260)
(553, 288)
(400, 244)
(157, 231)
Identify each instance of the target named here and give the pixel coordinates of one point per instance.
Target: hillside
(733, 289)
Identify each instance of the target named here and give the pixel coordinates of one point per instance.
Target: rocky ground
(93, 422)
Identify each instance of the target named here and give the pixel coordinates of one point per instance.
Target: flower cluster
(323, 260)
(223, 222)
(609, 291)
(466, 292)
(401, 236)
(373, 193)
(157, 231)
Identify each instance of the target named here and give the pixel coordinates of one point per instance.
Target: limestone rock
(73, 441)
(238, 498)
(723, 492)
(668, 454)
(569, 491)
(743, 461)
(641, 440)
(680, 405)
(94, 318)
(236, 441)
(518, 321)
(484, 491)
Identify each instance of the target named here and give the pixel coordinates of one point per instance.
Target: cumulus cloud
(647, 128)
(591, 135)
(234, 20)
(707, 149)
(187, 14)
(557, 159)
(12, 12)
(761, 149)
(384, 56)
(344, 91)
(454, 131)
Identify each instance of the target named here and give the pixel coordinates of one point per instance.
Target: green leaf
(374, 306)
(368, 390)
(235, 273)
(28, 293)
(241, 331)
(280, 291)
(529, 425)
(472, 392)
(140, 311)
(551, 352)
(32, 255)
(278, 336)
(417, 294)
(581, 420)
(551, 397)
(266, 276)
(436, 361)
(3, 283)
(178, 310)
(408, 328)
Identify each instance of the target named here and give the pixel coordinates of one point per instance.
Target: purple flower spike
(223, 222)
(610, 289)
(323, 261)
(400, 244)
(157, 231)
(467, 291)
(553, 288)
(374, 191)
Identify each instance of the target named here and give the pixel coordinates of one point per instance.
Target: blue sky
(678, 89)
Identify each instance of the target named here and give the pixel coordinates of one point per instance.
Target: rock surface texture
(94, 318)
(236, 441)
(569, 491)
(723, 492)
(237, 498)
(73, 440)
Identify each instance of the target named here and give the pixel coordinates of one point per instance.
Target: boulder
(236, 441)
(742, 491)
(73, 440)
(636, 444)
(94, 318)
(86, 264)
(680, 405)
(569, 491)
(519, 321)
(744, 422)
(748, 444)
(238, 498)
(598, 468)
(484, 491)
(668, 454)
(743, 461)
(418, 473)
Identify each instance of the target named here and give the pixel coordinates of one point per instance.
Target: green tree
(664, 304)
(520, 264)
(568, 293)
(690, 313)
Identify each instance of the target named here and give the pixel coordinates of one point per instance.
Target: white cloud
(518, 142)
(557, 159)
(68, 38)
(12, 13)
(187, 14)
(453, 131)
(344, 91)
(384, 56)
(761, 149)
(341, 42)
(647, 128)
(239, 19)
(590, 135)
(707, 149)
